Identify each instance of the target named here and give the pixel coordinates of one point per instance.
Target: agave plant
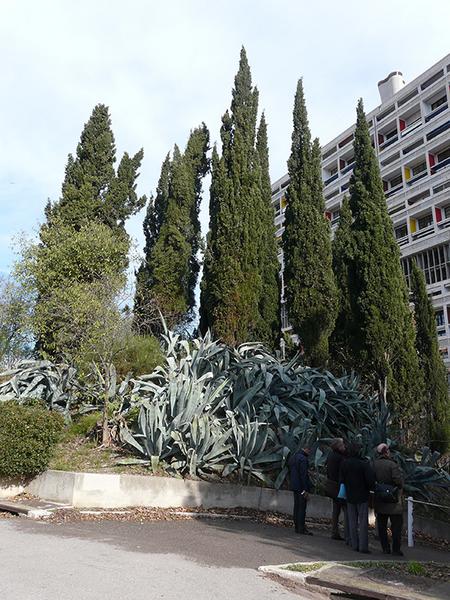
(56, 385)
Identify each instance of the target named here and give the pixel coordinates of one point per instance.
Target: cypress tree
(308, 275)
(233, 284)
(91, 189)
(382, 338)
(269, 307)
(342, 254)
(437, 409)
(93, 193)
(168, 275)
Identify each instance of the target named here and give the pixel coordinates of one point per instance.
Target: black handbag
(384, 492)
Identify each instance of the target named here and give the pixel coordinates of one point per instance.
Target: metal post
(410, 522)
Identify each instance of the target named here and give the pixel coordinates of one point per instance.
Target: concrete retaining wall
(94, 490)
(101, 490)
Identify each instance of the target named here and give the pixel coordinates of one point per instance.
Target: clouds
(163, 67)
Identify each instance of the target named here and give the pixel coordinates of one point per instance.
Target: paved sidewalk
(163, 559)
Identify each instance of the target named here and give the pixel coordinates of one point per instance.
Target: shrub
(140, 356)
(84, 425)
(28, 435)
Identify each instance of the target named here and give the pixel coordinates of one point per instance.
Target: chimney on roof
(389, 86)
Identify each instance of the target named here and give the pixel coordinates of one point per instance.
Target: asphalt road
(202, 560)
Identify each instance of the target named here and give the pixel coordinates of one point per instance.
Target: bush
(141, 355)
(28, 435)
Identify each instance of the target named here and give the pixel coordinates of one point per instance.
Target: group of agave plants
(212, 411)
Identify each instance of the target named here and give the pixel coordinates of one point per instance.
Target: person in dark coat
(334, 461)
(388, 471)
(301, 486)
(359, 479)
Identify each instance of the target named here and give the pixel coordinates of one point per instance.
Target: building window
(435, 264)
(424, 222)
(420, 168)
(447, 211)
(401, 232)
(440, 321)
(396, 181)
(438, 103)
(284, 317)
(443, 155)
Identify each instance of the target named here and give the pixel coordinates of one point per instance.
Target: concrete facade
(410, 133)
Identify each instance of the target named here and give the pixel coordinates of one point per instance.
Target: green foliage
(83, 241)
(415, 568)
(84, 425)
(380, 334)
(15, 313)
(166, 279)
(142, 354)
(78, 276)
(239, 291)
(54, 385)
(308, 275)
(91, 190)
(258, 408)
(28, 435)
(437, 406)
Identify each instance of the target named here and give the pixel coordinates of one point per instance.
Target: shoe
(337, 537)
(386, 550)
(397, 553)
(365, 552)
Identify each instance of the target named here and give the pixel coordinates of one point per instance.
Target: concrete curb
(25, 511)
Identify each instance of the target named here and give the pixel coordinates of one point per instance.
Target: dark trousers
(396, 529)
(338, 506)
(358, 524)
(300, 503)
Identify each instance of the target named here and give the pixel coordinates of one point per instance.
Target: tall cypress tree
(382, 338)
(232, 303)
(308, 275)
(342, 254)
(167, 277)
(92, 193)
(269, 306)
(437, 408)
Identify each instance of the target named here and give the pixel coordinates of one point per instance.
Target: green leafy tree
(166, 280)
(308, 275)
(16, 306)
(239, 287)
(437, 408)
(382, 337)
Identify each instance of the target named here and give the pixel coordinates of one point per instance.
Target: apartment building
(410, 132)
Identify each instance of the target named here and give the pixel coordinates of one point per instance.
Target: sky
(164, 67)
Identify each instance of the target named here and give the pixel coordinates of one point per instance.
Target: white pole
(410, 522)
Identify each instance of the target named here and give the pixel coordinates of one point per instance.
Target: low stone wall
(104, 490)
(95, 490)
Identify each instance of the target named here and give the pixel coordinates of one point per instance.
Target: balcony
(348, 168)
(436, 112)
(424, 232)
(388, 142)
(411, 127)
(435, 132)
(440, 165)
(417, 177)
(330, 179)
(393, 190)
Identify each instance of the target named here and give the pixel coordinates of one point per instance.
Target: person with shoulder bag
(334, 461)
(388, 499)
